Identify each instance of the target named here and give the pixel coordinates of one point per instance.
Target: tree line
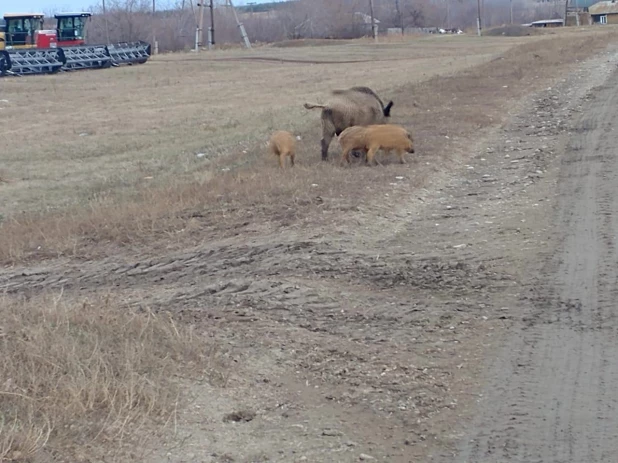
(174, 24)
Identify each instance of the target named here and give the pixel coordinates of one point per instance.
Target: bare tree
(175, 20)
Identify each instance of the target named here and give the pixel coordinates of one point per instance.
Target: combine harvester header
(27, 48)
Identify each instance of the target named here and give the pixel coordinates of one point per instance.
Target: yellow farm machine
(27, 48)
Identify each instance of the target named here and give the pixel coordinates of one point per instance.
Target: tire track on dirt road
(553, 394)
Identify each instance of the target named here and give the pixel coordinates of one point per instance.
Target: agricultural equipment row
(51, 60)
(27, 48)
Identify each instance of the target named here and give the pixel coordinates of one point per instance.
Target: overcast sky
(44, 6)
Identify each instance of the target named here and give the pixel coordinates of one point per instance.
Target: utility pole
(200, 24)
(243, 32)
(511, 6)
(373, 22)
(448, 14)
(106, 25)
(154, 27)
(400, 16)
(212, 24)
(478, 18)
(566, 8)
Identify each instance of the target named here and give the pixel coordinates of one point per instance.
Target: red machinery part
(46, 39)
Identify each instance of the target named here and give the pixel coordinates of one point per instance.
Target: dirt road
(554, 389)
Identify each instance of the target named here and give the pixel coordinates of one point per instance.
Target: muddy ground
(472, 323)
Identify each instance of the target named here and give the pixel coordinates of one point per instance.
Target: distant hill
(262, 7)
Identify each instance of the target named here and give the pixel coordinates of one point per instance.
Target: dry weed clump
(76, 373)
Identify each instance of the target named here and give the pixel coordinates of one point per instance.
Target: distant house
(605, 12)
(546, 23)
(365, 21)
(268, 14)
(412, 30)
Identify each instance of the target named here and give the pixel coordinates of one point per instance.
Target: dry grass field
(104, 173)
(100, 145)
(120, 129)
